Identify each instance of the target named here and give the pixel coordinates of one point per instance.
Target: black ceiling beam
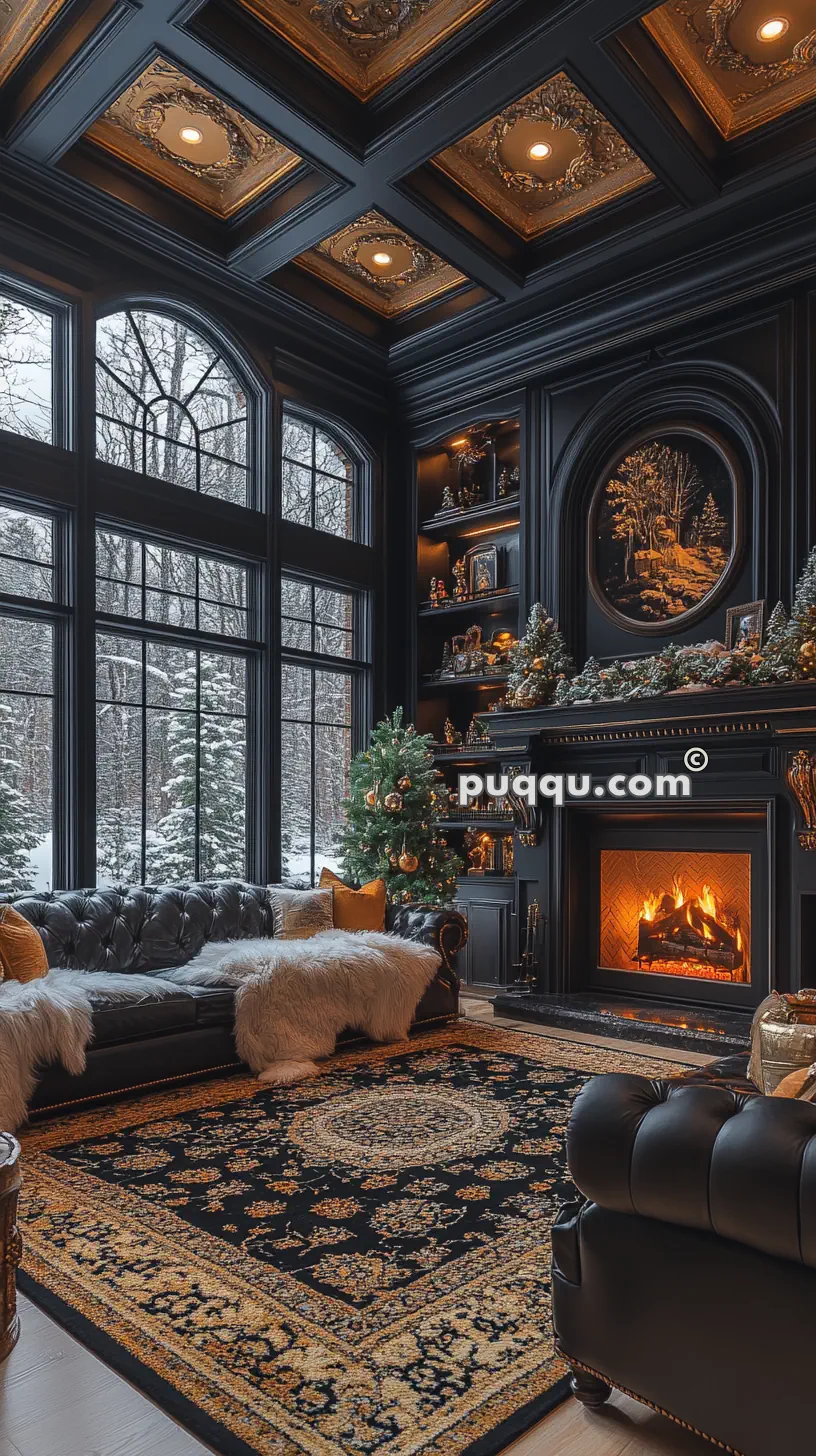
(110, 59)
(609, 80)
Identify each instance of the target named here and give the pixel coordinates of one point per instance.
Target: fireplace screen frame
(728, 829)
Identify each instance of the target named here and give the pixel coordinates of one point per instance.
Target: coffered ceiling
(381, 266)
(364, 44)
(21, 23)
(544, 160)
(502, 155)
(746, 61)
(180, 134)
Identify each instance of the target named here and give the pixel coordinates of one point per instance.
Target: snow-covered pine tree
(538, 662)
(586, 687)
(712, 526)
(777, 657)
(222, 778)
(389, 831)
(20, 830)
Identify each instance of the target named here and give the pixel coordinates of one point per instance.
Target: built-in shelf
(485, 599)
(484, 821)
(495, 515)
(466, 680)
(469, 754)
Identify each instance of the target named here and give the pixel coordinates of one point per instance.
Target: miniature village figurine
(438, 592)
(452, 735)
(460, 591)
(449, 501)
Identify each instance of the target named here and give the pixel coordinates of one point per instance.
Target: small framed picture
(744, 625)
(482, 569)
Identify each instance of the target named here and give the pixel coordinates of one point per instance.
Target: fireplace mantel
(781, 713)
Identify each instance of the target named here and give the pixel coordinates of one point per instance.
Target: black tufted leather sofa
(148, 929)
(686, 1273)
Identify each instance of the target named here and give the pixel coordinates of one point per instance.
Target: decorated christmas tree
(538, 663)
(778, 656)
(389, 831)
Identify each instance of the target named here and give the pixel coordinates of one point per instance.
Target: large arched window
(169, 406)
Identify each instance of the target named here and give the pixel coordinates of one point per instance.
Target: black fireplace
(669, 903)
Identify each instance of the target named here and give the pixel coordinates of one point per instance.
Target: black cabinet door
(490, 906)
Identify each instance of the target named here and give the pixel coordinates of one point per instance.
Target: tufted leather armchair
(686, 1273)
(148, 929)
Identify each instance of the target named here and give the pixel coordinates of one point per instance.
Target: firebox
(676, 913)
(678, 903)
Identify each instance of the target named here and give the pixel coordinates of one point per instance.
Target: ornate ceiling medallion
(364, 44)
(742, 67)
(544, 160)
(22, 22)
(380, 265)
(171, 128)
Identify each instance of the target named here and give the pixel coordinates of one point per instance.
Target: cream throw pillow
(300, 914)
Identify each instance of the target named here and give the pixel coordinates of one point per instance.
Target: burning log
(675, 929)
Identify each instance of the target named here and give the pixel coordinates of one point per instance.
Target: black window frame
(251, 649)
(361, 481)
(226, 354)
(58, 613)
(358, 667)
(62, 372)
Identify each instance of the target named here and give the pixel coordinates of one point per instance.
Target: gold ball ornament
(408, 862)
(393, 802)
(807, 658)
(404, 783)
(539, 664)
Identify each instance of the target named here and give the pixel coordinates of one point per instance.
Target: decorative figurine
(447, 661)
(460, 590)
(449, 501)
(477, 734)
(438, 592)
(503, 488)
(508, 854)
(452, 735)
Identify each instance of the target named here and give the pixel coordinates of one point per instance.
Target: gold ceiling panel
(171, 128)
(364, 44)
(22, 22)
(544, 160)
(381, 265)
(746, 61)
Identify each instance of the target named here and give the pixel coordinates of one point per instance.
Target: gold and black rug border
(166, 1395)
(198, 1423)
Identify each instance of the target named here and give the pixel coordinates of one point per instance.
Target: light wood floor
(57, 1399)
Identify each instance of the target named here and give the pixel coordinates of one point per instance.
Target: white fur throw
(294, 997)
(49, 1020)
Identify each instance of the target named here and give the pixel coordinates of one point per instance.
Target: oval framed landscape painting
(665, 528)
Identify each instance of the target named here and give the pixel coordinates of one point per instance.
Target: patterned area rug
(358, 1264)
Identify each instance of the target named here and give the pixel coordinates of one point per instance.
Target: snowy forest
(171, 715)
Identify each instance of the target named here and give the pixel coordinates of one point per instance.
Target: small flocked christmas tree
(389, 831)
(19, 829)
(538, 663)
(798, 647)
(778, 656)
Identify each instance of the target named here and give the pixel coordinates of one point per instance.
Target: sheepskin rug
(50, 1020)
(294, 997)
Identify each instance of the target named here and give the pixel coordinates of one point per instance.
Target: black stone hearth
(686, 1028)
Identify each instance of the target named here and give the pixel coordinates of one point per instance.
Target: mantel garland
(788, 654)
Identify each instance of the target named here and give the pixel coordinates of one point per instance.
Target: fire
(678, 893)
(651, 905)
(708, 902)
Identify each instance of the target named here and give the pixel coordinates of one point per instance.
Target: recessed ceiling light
(382, 260)
(539, 150)
(772, 29)
(191, 135)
